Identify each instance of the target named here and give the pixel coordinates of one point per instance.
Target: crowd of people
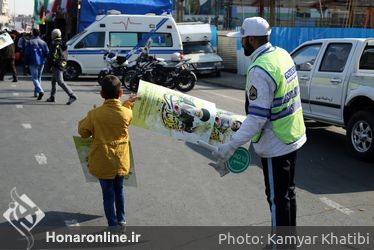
(35, 54)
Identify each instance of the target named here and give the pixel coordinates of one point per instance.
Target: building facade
(228, 14)
(4, 13)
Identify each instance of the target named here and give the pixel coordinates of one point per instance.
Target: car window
(335, 57)
(193, 48)
(92, 40)
(305, 57)
(159, 39)
(75, 38)
(123, 39)
(131, 39)
(367, 58)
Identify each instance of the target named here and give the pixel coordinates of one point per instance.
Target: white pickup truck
(336, 79)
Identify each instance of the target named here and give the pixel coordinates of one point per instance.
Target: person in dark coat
(21, 44)
(58, 62)
(8, 59)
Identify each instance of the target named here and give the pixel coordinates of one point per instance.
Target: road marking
(19, 106)
(26, 125)
(41, 159)
(16, 94)
(13, 85)
(336, 205)
(72, 223)
(225, 96)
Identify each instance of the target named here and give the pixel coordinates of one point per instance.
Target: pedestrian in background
(274, 121)
(22, 43)
(57, 59)
(2, 60)
(36, 53)
(109, 157)
(8, 60)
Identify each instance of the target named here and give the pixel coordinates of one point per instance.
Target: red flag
(55, 5)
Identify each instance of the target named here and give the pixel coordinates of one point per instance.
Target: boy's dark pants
(114, 200)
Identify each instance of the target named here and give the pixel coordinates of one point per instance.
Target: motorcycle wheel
(186, 81)
(101, 76)
(130, 80)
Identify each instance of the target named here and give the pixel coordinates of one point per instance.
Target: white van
(120, 33)
(196, 39)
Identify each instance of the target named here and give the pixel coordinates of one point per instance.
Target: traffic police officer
(274, 121)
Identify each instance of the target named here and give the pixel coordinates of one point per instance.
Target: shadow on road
(324, 165)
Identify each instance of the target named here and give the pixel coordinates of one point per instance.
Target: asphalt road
(176, 185)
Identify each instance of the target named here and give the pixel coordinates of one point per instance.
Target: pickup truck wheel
(360, 131)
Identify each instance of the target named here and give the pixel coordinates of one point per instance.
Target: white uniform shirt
(269, 145)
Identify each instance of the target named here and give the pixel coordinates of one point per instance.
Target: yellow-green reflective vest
(286, 113)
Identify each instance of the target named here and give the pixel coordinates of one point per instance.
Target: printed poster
(173, 113)
(225, 125)
(5, 40)
(83, 145)
(182, 116)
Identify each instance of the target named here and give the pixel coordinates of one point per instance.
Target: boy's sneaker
(71, 100)
(51, 99)
(40, 96)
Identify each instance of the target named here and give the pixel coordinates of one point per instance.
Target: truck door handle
(336, 80)
(304, 78)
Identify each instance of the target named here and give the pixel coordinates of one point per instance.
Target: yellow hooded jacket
(108, 125)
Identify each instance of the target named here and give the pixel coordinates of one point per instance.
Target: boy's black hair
(110, 87)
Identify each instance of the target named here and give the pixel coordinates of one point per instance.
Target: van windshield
(74, 38)
(198, 47)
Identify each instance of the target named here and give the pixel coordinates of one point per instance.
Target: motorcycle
(116, 65)
(171, 74)
(174, 74)
(141, 70)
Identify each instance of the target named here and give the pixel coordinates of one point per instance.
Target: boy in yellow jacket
(109, 158)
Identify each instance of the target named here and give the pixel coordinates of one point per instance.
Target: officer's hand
(224, 152)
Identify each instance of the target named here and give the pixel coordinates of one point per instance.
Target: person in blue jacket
(36, 54)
